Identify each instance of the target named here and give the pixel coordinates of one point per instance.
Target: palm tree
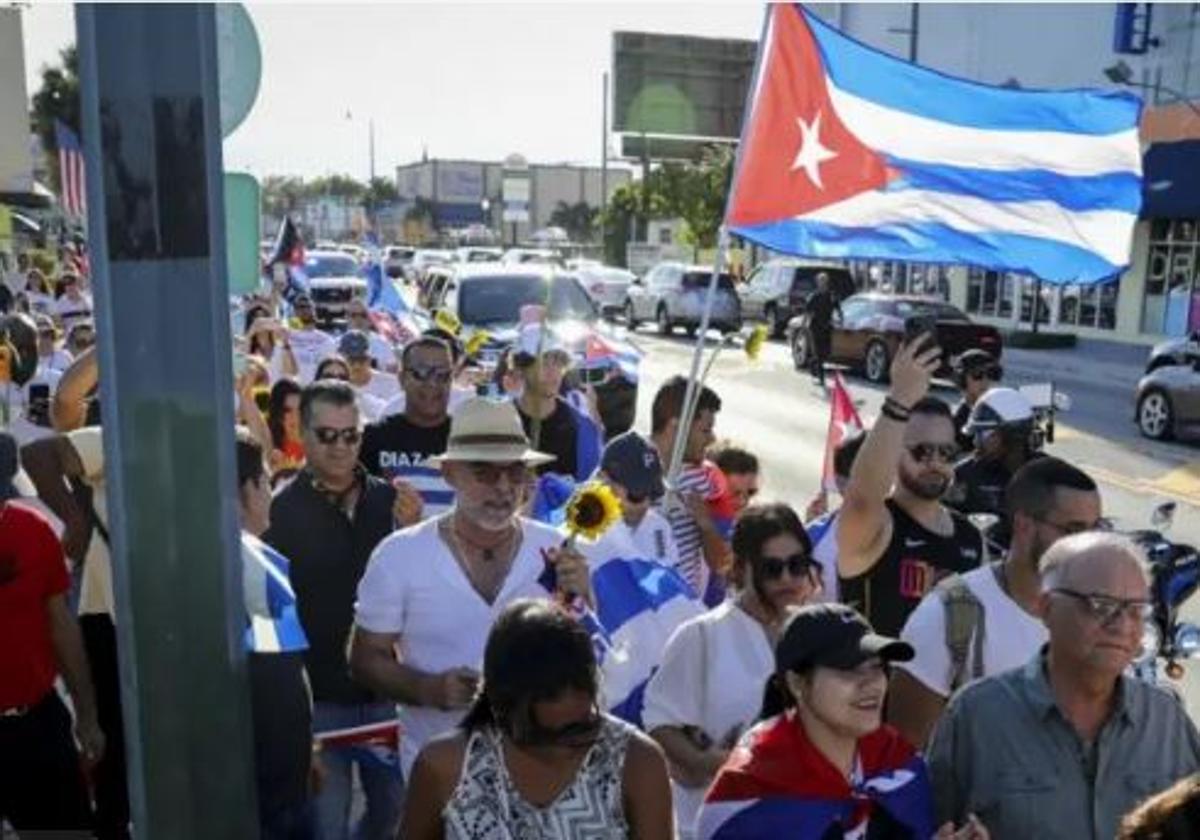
(578, 220)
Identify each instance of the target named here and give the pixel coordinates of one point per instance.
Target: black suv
(778, 290)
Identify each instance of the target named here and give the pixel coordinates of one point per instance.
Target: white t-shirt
(1011, 635)
(369, 405)
(713, 674)
(69, 311)
(458, 396)
(59, 360)
(415, 588)
(383, 353)
(650, 540)
(309, 348)
(96, 590)
(383, 386)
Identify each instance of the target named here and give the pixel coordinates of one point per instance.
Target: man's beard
(931, 488)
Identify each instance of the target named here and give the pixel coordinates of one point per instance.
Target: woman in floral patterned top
(535, 758)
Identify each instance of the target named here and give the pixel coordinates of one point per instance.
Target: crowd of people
(434, 652)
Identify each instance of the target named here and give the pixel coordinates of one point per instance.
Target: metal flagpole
(692, 395)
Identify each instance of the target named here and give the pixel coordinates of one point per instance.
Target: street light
(1122, 74)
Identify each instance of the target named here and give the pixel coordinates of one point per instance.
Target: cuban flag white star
(812, 154)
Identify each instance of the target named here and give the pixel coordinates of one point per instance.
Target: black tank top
(911, 565)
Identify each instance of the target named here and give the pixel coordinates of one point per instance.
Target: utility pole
(152, 148)
(604, 151)
(913, 31)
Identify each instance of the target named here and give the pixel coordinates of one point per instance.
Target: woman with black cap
(821, 763)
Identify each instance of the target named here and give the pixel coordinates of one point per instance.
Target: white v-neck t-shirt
(415, 588)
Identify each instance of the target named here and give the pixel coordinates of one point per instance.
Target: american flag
(70, 169)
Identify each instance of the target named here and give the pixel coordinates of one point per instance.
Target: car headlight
(1151, 642)
(1187, 641)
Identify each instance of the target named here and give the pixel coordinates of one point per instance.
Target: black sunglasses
(575, 733)
(329, 435)
(926, 452)
(798, 565)
(995, 373)
(439, 376)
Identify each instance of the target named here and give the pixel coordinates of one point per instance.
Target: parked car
(424, 259)
(396, 259)
(608, 286)
(490, 297)
(477, 254)
(1168, 402)
(333, 281)
(538, 256)
(1176, 351)
(672, 294)
(777, 290)
(872, 329)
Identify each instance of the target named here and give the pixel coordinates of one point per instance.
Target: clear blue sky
(464, 80)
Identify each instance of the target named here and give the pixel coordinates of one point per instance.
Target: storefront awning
(1171, 181)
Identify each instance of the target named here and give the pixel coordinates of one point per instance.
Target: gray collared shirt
(1005, 752)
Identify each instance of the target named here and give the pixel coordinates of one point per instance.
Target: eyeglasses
(994, 373)
(335, 373)
(926, 452)
(437, 375)
(486, 472)
(798, 565)
(328, 436)
(1106, 609)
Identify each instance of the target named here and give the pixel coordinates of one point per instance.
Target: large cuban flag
(850, 153)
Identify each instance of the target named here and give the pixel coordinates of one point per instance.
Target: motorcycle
(1167, 642)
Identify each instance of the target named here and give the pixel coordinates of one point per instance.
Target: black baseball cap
(975, 358)
(633, 462)
(833, 636)
(355, 345)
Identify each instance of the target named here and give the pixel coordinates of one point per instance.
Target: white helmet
(1000, 408)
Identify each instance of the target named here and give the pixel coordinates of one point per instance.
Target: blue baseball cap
(633, 462)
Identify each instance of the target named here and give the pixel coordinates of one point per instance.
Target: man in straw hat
(432, 591)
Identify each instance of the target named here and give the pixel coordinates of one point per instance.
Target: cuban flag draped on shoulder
(850, 153)
(273, 624)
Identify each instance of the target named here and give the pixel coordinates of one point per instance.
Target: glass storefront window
(1172, 266)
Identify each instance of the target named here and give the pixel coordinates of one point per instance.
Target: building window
(1171, 302)
(664, 236)
(991, 293)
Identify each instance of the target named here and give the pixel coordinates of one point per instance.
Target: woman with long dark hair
(535, 758)
(283, 419)
(709, 687)
(268, 339)
(822, 763)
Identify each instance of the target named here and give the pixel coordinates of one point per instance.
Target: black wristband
(897, 405)
(891, 413)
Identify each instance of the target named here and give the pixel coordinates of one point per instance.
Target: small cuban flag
(273, 625)
(848, 152)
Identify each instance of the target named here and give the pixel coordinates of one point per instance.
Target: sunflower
(448, 321)
(476, 342)
(592, 509)
(754, 343)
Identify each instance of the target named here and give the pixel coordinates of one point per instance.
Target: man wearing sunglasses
(895, 537)
(432, 592)
(400, 448)
(987, 621)
(975, 372)
(309, 344)
(327, 521)
(1067, 744)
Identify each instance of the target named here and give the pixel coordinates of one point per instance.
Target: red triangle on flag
(797, 154)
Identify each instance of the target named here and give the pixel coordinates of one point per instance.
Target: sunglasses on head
(335, 373)
(798, 565)
(926, 452)
(994, 373)
(438, 375)
(486, 472)
(328, 436)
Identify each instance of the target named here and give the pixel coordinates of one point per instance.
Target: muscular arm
(647, 791)
(72, 661)
(49, 462)
(68, 410)
(913, 708)
(373, 663)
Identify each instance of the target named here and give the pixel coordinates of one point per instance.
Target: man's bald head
(1074, 560)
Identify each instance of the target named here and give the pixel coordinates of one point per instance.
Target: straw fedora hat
(484, 429)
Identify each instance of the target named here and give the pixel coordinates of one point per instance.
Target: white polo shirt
(413, 587)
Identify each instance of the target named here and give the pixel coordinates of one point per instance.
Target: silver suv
(672, 294)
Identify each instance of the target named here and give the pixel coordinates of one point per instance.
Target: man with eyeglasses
(327, 521)
(975, 372)
(400, 448)
(987, 620)
(1067, 744)
(432, 591)
(895, 537)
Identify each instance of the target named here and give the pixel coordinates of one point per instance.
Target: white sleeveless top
(487, 806)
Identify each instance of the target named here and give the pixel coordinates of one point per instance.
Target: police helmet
(1000, 408)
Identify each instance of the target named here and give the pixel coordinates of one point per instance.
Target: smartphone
(38, 409)
(921, 328)
(594, 375)
(239, 364)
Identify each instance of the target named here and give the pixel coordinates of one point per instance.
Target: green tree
(696, 192)
(57, 98)
(282, 193)
(578, 219)
(338, 186)
(381, 191)
(624, 207)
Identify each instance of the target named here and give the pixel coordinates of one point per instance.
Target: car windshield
(941, 311)
(700, 280)
(498, 300)
(331, 266)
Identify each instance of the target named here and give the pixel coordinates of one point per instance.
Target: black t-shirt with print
(558, 437)
(391, 447)
(911, 565)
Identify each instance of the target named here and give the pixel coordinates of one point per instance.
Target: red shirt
(33, 569)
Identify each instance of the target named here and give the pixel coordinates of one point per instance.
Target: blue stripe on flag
(630, 709)
(776, 816)
(1112, 191)
(877, 77)
(627, 588)
(935, 243)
